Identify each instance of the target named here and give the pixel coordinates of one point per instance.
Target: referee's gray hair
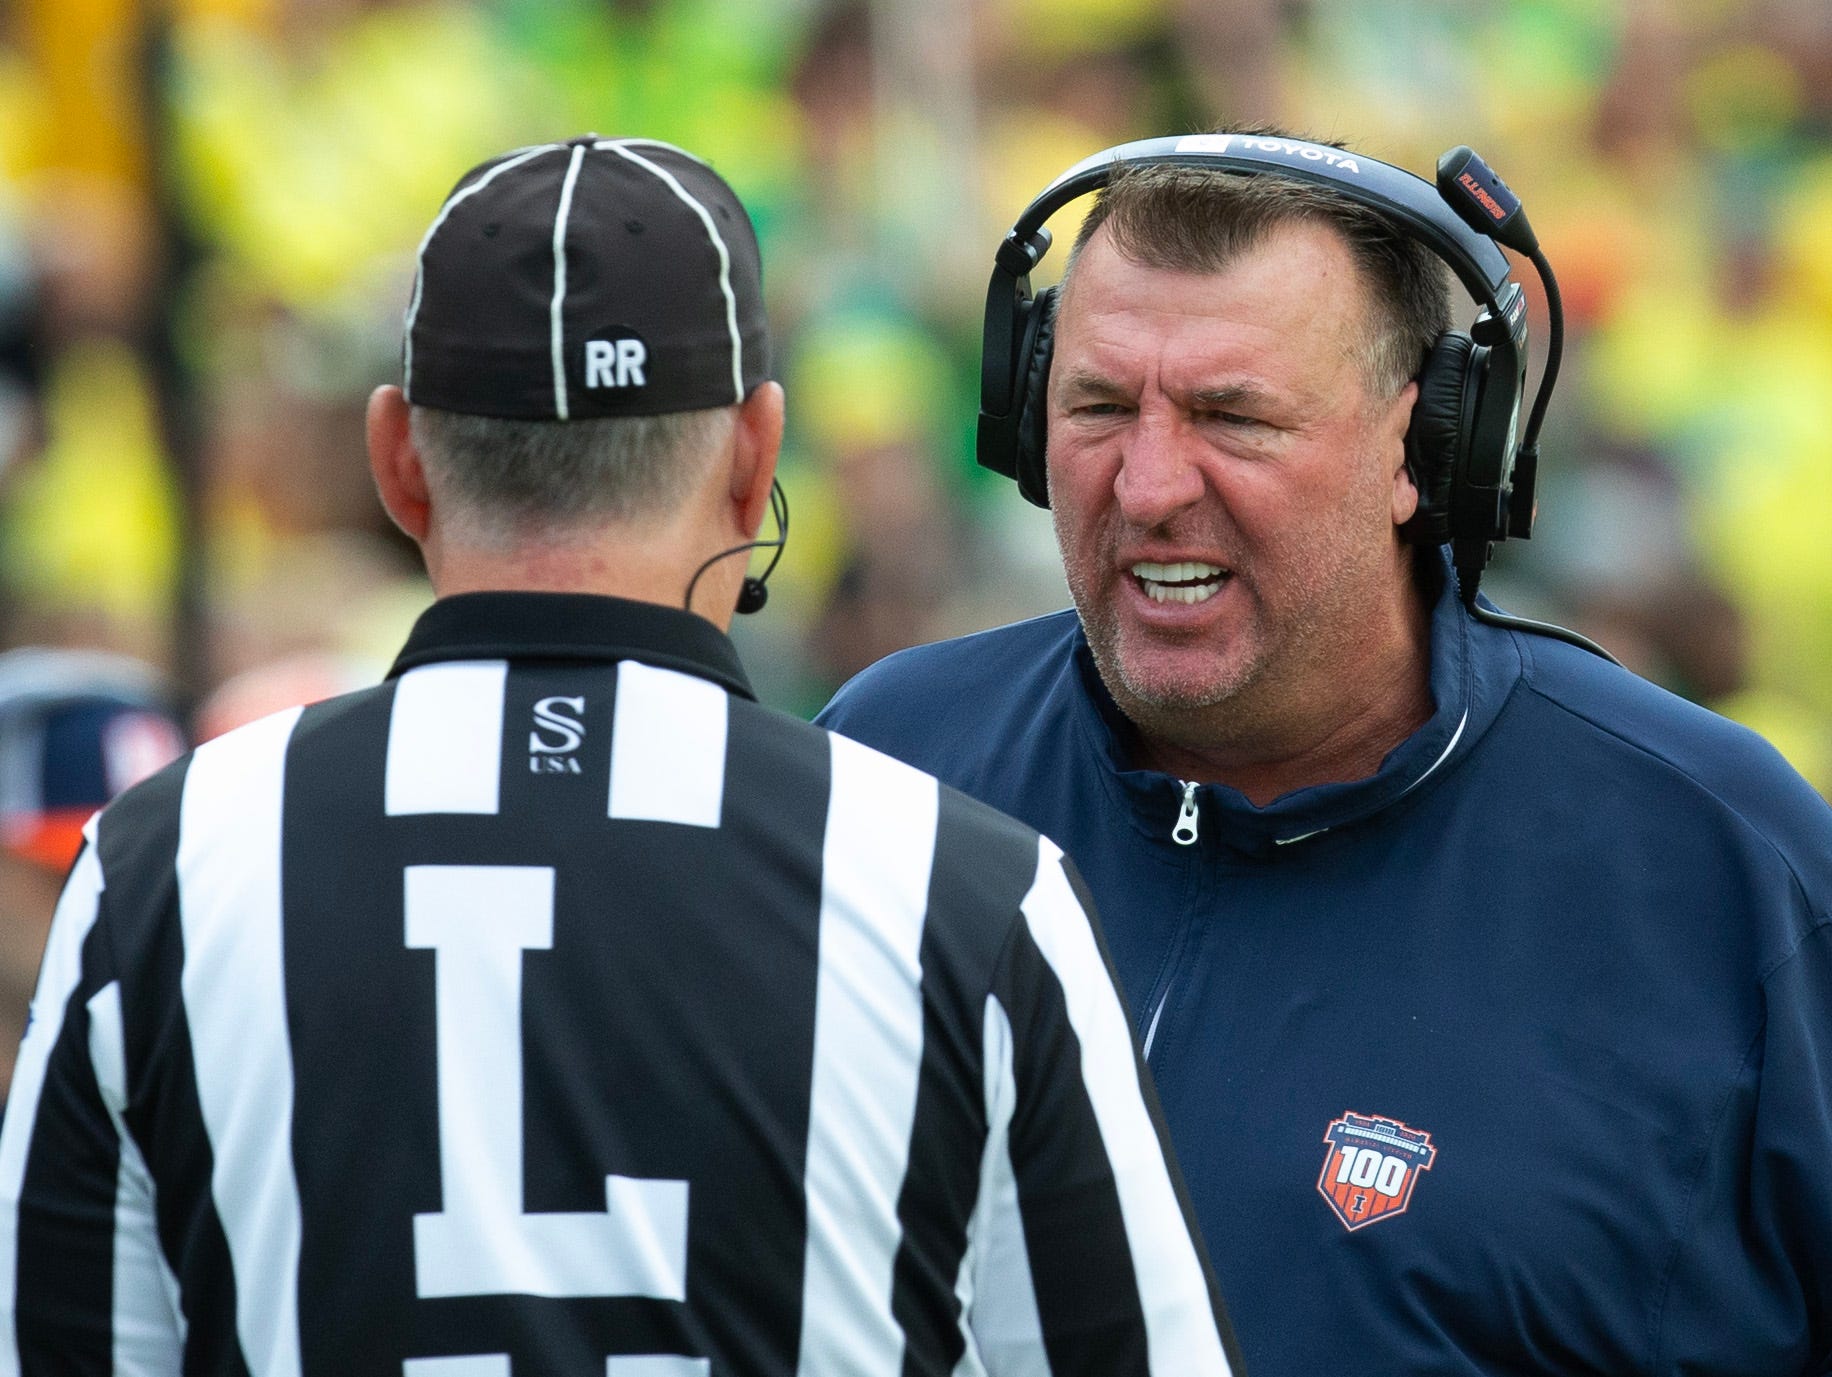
(501, 481)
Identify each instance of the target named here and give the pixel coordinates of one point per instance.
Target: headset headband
(1402, 195)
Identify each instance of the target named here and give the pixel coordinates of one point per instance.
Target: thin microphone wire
(1555, 349)
(1557, 633)
(779, 509)
(1469, 571)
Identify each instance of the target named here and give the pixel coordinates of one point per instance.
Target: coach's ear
(1392, 436)
(400, 478)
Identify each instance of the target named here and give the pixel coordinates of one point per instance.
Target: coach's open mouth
(1189, 581)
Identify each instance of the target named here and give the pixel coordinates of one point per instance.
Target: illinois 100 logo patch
(1371, 1167)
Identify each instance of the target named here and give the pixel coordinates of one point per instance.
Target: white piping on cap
(725, 258)
(419, 275)
(559, 281)
(604, 145)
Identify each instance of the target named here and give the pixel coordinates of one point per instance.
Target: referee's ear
(400, 478)
(757, 442)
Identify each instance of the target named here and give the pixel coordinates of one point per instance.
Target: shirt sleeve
(84, 1287)
(1750, 1287)
(1788, 1175)
(1083, 1256)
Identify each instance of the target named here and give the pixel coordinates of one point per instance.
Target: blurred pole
(104, 67)
(927, 140)
(173, 381)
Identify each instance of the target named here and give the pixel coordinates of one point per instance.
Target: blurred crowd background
(209, 211)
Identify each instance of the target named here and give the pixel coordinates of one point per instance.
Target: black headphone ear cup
(1439, 431)
(1033, 398)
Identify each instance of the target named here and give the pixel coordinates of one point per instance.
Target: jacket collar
(1473, 668)
(571, 626)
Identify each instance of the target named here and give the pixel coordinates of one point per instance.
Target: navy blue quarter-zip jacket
(1515, 1058)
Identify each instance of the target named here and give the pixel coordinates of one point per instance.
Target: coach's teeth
(1190, 581)
(1187, 572)
(1192, 592)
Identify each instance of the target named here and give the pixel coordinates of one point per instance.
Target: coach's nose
(1158, 476)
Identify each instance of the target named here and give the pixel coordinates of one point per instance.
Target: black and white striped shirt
(553, 1008)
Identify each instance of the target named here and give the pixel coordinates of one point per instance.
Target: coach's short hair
(1196, 219)
(501, 480)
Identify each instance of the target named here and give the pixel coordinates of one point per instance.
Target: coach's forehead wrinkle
(1081, 381)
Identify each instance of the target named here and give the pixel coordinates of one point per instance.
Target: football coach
(553, 1007)
(1488, 987)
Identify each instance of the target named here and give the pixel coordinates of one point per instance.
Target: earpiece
(1033, 413)
(1442, 420)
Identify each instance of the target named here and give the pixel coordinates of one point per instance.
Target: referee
(553, 1008)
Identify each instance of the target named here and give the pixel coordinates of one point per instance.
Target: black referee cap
(595, 277)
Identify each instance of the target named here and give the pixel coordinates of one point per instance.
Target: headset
(1474, 468)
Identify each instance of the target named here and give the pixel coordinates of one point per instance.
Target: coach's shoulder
(1695, 759)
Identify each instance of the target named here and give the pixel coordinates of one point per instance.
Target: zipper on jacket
(1184, 833)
